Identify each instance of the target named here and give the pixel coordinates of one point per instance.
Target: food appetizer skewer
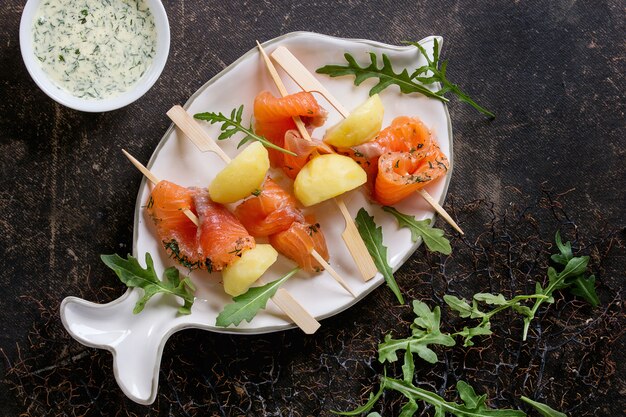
(283, 299)
(303, 77)
(351, 237)
(203, 142)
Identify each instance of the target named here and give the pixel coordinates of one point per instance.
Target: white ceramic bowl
(64, 97)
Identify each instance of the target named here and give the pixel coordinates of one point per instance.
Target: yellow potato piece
(242, 175)
(361, 126)
(242, 273)
(327, 176)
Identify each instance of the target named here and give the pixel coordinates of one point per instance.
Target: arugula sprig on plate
(409, 82)
(131, 273)
(247, 305)
(234, 124)
(421, 229)
(373, 238)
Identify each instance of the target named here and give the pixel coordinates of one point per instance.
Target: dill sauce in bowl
(94, 55)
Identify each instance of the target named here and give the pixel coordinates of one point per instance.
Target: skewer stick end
(440, 210)
(332, 272)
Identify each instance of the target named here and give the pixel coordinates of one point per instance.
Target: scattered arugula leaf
(472, 404)
(571, 276)
(473, 311)
(543, 409)
(575, 267)
(373, 399)
(134, 275)
(585, 288)
(248, 304)
(432, 237)
(425, 331)
(581, 286)
(234, 124)
(373, 238)
(415, 82)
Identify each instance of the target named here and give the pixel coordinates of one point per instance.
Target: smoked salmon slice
(402, 173)
(177, 233)
(275, 133)
(273, 118)
(268, 108)
(405, 134)
(400, 160)
(304, 149)
(221, 237)
(297, 242)
(271, 211)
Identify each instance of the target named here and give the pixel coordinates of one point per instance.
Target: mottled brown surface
(553, 72)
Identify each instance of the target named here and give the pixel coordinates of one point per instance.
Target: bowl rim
(65, 98)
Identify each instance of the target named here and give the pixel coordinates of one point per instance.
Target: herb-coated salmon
(174, 229)
(271, 211)
(297, 242)
(221, 236)
(402, 173)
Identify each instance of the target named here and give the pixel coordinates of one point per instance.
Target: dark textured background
(552, 71)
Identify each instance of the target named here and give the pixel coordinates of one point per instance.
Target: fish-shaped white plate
(137, 341)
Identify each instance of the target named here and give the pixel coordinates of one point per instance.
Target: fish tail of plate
(135, 340)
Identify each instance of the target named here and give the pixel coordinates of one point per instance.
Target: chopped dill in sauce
(94, 49)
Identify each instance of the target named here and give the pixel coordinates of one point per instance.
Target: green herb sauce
(94, 49)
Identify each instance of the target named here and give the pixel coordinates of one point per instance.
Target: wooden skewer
(351, 236)
(282, 298)
(283, 91)
(199, 137)
(301, 76)
(154, 180)
(332, 272)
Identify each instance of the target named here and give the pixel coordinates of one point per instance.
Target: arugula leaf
(233, 124)
(566, 251)
(483, 329)
(415, 82)
(386, 76)
(432, 237)
(556, 280)
(373, 238)
(409, 409)
(580, 286)
(373, 399)
(543, 409)
(586, 288)
(465, 310)
(134, 275)
(425, 331)
(473, 405)
(248, 304)
(459, 305)
(408, 369)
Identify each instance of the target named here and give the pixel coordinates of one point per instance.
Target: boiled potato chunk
(242, 175)
(242, 273)
(359, 127)
(327, 176)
